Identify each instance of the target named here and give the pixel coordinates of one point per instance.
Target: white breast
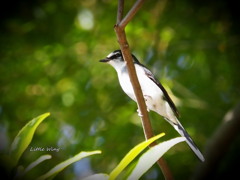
(125, 83)
(153, 95)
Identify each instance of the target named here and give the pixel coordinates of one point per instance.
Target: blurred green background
(49, 56)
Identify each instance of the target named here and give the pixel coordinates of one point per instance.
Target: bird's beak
(104, 60)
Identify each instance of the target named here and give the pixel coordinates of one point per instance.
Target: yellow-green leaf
(36, 162)
(58, 168)
(22, 172)
(147, 160)
(131, 155)
(24, 138)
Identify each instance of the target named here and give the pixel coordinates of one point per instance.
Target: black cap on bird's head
(117, 55)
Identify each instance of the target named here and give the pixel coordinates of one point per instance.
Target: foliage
(58, 168)
(144, 163)
(49, 55)
(131, 155)
(21, 142)
(25, 135)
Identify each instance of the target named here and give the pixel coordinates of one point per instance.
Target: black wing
(166, 96)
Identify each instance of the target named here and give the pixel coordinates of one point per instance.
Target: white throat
(118, 65)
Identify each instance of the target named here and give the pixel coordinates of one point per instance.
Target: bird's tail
(180, 129)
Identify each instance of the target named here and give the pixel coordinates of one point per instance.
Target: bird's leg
(146, 97)
(139, 113)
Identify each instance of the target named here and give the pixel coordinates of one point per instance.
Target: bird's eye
(115, 56)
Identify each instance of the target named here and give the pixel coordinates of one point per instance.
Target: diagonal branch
(219, 144)
(134, 80)
(131, 13)
(124, 46)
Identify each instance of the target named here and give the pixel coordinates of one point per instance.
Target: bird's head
(115, 59)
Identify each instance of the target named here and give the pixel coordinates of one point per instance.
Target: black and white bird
(156, 97)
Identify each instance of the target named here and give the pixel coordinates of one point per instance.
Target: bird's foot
(139, 113)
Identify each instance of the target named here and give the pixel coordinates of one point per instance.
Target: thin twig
(120, 11)
(131, 13)
(124, 46)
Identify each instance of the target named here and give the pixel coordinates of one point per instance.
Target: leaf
(24, 138)
(97, 177)
(22, 172)
(58, 168)
(131, 155)
(38, 161)
(147, 160)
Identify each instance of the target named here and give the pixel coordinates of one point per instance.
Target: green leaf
(36, 162)
(21, 171)
(24, 138)
(97, 177)
(58, 168)
(147, 160)
(131, 155)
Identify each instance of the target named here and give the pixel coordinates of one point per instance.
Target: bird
(155, 95)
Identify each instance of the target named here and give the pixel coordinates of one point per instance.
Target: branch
(120, 11)
(131, 13)
(219, 144)
(124, 46)
(134, 80)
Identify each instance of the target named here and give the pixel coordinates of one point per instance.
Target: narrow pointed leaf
(97, 177)
(38, 161)
(147, 160)
(131, 155)
(32, 165)
(58, 168)
(24, 137)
